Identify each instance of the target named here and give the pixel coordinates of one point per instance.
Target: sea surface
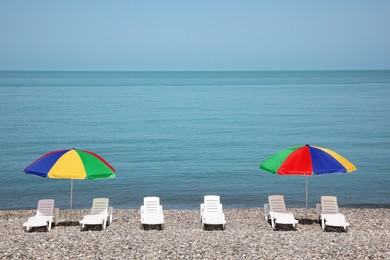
(183, 135)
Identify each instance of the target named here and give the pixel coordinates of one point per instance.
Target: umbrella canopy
(71, 164)
(307, 160)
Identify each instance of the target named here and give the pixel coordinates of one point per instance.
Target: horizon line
(281, 70)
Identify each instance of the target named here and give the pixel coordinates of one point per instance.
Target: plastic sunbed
(100, 214)
(46, 215)
(328, 213)
(276, 211)
(212, 212)
(152, 212)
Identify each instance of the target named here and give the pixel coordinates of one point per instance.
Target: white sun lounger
(100, 214)
(46, 215)
(276, 211)
(212, 212)
(152, 212)
(328, 213)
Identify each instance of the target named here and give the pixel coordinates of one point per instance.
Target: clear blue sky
(194, 35)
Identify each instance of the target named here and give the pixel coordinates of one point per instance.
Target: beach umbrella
(71, 164)
(307, 160)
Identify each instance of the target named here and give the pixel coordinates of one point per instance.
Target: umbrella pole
(307, 193)
(71, 192)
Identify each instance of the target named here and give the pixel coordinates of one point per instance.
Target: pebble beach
(247, 236)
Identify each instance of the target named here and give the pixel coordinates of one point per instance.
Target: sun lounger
(152, 212)
(100, 214)
(276, 211)
(328, 213)
(212, 212)
(46, 215)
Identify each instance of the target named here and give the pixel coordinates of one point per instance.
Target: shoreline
(225, 207)
(247, 236)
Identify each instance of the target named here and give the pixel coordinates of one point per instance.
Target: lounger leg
(323, 223)
(273, 223)
(49, 226)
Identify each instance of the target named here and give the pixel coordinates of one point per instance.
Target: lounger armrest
(201, 209)
(56, 215)
(160, 208)
(109, 213)
(266, 211)
(142, 211)
(223, 218)
(318, 211)
(161, 214)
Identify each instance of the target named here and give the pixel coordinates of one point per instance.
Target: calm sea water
(182, 135)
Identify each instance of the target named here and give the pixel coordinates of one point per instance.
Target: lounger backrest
(212, 203)
(211, 199)
(213, 208)
(329, 205)
(45, 207)
(99, 206)
(276, 203)
(151, 205)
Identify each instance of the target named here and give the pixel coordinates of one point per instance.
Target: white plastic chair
(152, 212)
(328, 213)
(211, 212)
(276, 211)
(100, 214)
